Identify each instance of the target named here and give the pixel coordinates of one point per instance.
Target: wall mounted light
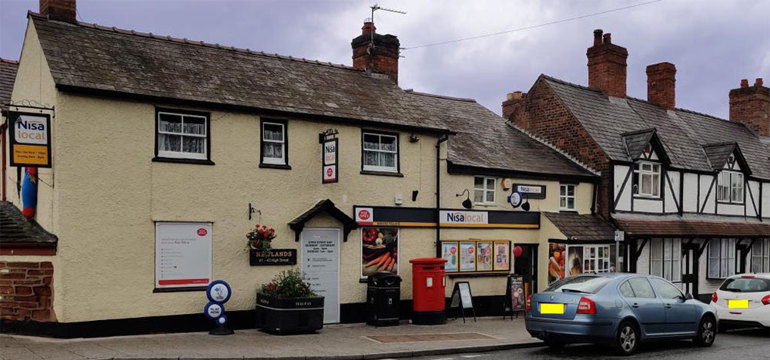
(467, 202)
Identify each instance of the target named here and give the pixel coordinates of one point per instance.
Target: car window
(642, 288)
(746, 285)
(626, 290)
(665, 289)
(582, 283)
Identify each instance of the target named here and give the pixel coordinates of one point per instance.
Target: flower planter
(290, 315)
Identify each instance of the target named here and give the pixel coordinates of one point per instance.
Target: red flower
(260, 231)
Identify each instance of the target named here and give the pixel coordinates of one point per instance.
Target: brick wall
(546, 116)
(25, 291)
(751, 105)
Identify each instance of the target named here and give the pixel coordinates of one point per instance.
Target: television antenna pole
(374, 8)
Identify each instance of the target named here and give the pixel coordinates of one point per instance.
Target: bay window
(666, 258)
(721, 258)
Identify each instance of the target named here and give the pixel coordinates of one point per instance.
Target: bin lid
(428, 261)
(384, 278)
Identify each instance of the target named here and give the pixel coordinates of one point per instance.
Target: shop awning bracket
(327, 206)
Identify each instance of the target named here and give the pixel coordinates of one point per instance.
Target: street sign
(218, 292)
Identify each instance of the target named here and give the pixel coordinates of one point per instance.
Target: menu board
(182, 254)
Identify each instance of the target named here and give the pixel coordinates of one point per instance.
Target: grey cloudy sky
(713, 44)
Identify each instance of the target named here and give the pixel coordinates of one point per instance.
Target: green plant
(287, 284)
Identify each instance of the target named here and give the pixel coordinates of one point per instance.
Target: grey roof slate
(484, 139)
(637, 141)
(14, 228)
(8, 70)
(683, 133)
(581, 227)
(88, 56)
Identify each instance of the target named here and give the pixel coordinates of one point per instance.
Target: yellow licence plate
(551, 308)
(738, 304)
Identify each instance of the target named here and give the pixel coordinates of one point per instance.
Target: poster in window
(379, 250)
(182, 254)
(555, 262)
(502, 255)
(468, 256)
(450, 253)
(575, 260)
(484, 256)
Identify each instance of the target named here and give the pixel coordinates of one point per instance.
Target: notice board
(182, 254)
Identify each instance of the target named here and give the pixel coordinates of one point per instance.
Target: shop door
(526, 266)
(690, 268)
(321, 266)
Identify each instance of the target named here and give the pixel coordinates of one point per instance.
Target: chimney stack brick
(375, 52)
(62, 10)
(607, 65)
(661, 89)
(750, 105)
(513, 106)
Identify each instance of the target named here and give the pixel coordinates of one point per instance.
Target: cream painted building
(158, 174)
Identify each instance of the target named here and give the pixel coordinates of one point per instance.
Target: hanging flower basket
(259, 239)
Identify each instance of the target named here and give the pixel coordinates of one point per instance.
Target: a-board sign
(515, 296)
(461, 295)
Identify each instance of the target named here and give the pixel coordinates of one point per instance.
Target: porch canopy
(582, 227)
(643, 226)
(323, 206)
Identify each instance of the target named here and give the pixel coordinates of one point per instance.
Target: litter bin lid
(383, 278)
(428, 261)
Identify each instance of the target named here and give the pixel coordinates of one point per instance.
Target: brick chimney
(751, 105)
(513, 106)
(607, 65)
(63, 10)
(375, 52)
(661, 78)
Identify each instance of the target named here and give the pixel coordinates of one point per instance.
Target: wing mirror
(688, 296)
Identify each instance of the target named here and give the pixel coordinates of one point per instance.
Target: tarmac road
(739, 345)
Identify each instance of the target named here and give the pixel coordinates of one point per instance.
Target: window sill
(182, 161)
(381, 173)
(274, 166)
(572, 211)
(183, 289)
(641, 197)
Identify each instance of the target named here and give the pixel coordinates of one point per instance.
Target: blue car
(619, 309)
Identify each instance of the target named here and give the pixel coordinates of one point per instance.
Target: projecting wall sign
(530, 191)
(30, 139)
(330, 161)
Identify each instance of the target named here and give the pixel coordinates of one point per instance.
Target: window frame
(270, 164)
(721, 259)
(380, 170)
(183, 157)
(597, 259)
(640, 174)
(566, 197)
(668, 259)
(485, 190)
(730, 188)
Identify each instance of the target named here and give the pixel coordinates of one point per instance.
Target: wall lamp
(467, 202)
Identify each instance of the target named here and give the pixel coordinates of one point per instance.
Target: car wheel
(707, 332)
(627, 338)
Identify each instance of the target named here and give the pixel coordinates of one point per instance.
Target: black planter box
(290, 315)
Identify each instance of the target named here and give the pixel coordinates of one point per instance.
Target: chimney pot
(744, 83)
(368, 27)
(758, 82)
(608, 38)
(513, 106)
(597, 37)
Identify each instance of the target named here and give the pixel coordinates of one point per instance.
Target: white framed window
(596, 258)
(721, 258)
(380, 152)
(647, 179)
(483, 190)
(182, 135)
(666, 258)
(760, 256)
(567, 197)
(274, 143)
(730, 187)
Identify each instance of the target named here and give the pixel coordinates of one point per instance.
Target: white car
(743, 300)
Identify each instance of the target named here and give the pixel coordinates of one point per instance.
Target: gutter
(441, 139)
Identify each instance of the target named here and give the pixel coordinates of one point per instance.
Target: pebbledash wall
(104, 195)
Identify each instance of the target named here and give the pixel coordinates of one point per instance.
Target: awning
(582, 227)
(692, 228)
(328, 207)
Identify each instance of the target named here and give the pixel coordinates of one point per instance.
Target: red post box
(428, 284)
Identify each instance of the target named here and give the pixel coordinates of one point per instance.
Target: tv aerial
(374, 8)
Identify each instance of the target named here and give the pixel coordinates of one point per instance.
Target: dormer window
(730, 187)
(647, 179)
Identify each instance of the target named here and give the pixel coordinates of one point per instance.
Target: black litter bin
(383, 298)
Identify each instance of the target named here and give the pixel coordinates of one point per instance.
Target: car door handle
(636, 305)
(668, 306)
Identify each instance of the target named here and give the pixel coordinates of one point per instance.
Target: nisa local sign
(30, 136)
(461, 218)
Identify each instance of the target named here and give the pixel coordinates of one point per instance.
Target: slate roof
(97, 58)
(485, 140)
(581, 227)
(636, 142)
(14, 228)
(683, 133)
(7, 77)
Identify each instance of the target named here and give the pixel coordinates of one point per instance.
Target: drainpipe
(441, 139)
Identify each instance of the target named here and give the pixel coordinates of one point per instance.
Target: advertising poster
(575, 260)
(468, 256)
(450, 253)
(502, 255)
(555, 262)
(484, 256)
(518, 295)
(379, 250)
(182, 254)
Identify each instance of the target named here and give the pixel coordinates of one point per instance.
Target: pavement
(343, 341)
